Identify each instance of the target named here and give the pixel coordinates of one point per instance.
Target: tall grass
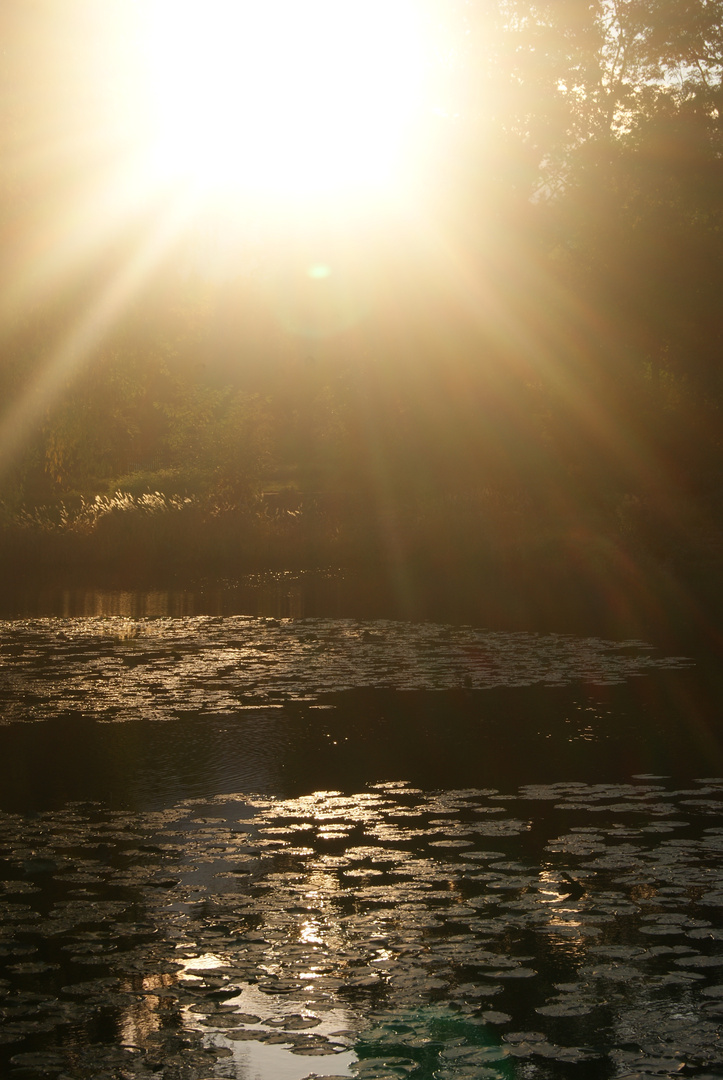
(156, 531)
(85, 518)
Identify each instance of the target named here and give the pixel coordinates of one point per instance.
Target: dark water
(269, 835)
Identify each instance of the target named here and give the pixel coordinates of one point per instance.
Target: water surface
(266, 847)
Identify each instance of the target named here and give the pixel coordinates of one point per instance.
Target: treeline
(526, 353)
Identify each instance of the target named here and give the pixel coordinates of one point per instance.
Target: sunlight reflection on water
(370, 848)
(579, 927)
(121, 668)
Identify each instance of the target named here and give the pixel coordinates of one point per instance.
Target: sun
(284, 98)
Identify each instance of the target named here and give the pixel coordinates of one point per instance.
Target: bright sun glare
(284, 98)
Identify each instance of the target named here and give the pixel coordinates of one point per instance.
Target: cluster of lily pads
(560, 930)
(119, 669)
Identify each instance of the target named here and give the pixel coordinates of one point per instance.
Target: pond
(262, 833)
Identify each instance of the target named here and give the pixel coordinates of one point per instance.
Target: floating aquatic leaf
(216, 665)
(298, 940)
(565, 1008)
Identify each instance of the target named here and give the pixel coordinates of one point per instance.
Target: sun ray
(68, 236)
(23, 414)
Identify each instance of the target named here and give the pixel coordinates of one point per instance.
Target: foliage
(551, 338)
